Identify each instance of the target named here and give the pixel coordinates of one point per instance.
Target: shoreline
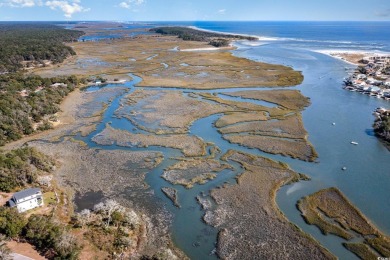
(230, 47)
(225, 33)
(349, 56)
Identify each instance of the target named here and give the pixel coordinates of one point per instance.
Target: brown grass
(223, 69)
(189, 145)
(191, 171)
(291, 127)
(239, 117)
(361, 250)
(173, 111)
(249, 220)
(294, 148)
(290, 99)
(331, 211)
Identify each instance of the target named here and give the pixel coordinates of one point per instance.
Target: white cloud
(21, 3)
(221, 11)
(130, 4)
(68, 7)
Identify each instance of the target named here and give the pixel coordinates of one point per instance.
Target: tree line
(33, 42)
(189, 34)
(19, 113)
(21, 167)
(382, 127)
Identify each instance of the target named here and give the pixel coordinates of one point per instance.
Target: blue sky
(195, 10)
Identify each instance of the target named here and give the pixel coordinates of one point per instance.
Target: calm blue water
(367, 179)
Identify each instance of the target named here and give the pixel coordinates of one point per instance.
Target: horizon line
(121, 21)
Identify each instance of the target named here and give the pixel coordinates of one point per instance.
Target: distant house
(56, 85)
(24, 93)
(361, 76)
(26, 199)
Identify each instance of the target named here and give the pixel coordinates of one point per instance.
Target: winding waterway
(366, 181)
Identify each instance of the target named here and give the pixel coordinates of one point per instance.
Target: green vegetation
(26, 100)
(21, 167)
(11, 222)
(51, 237)
(219, 42)
(189, 34)
(5, 252)
(48, 235)
(33, 42)
(382, 127)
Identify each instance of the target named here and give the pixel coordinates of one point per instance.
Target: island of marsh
(332, 212)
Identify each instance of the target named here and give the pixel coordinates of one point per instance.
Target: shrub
(20, 167)
(11, 222)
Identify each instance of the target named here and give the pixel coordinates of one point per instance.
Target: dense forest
(27, 100)
(189, 34)
(33, 42)
(22, 167)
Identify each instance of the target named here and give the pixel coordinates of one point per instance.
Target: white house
(56, 85)
(26, 199)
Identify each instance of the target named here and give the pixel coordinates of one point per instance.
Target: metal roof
(26, 193)
(11, 203)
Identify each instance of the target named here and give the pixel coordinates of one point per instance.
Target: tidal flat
(153, 58)
(118, 175)
(247, 216)
(152, 116)
(165, 112)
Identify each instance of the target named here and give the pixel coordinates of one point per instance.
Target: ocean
(360, 36)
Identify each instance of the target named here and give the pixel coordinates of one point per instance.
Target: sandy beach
(350, 56)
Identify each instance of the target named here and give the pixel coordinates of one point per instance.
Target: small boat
(333, 123)
(344, 168)
(354, 143)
